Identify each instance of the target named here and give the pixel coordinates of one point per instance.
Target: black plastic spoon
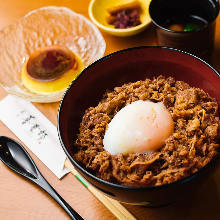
(13, 155)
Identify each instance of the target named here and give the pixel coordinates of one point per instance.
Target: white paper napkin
(35, 131)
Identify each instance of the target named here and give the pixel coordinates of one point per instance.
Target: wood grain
(20, 199)
(114, 206)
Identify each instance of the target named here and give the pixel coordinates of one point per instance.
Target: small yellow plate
(98, 14)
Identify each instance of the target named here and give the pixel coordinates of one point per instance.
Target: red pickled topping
(126, 18)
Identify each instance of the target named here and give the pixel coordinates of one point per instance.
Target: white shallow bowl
(44, 27)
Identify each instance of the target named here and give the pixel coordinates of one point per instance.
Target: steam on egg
(138, 127)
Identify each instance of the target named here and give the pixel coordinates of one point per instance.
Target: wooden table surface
(20, 199)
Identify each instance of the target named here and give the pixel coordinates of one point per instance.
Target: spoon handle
(14, 155)
(42, 182)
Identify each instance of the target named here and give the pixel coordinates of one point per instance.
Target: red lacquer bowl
(125, 66)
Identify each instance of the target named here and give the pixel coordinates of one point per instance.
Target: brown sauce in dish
(187, 23)
(193, 144)
(50, 62)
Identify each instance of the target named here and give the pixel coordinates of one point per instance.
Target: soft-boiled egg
(139, 127)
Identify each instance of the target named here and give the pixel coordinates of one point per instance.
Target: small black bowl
(197, 41)
(129, 66)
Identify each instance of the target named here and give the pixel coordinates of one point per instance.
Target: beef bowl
(190, 91)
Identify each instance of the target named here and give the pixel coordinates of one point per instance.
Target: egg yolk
(139, 127)
(51, 69)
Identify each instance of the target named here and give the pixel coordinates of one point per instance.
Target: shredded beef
(194, 142)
